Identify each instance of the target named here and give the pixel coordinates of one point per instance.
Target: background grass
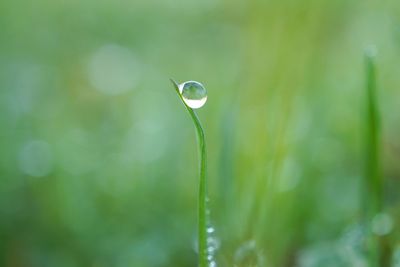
(98, 161)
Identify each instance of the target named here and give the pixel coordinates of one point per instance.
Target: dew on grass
(193, 93)
(212, 242)
(212, 246)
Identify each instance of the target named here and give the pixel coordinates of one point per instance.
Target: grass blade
(373, 176)
(202, 197)
(374, 182)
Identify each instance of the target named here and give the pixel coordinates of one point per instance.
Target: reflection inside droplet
(193, 93)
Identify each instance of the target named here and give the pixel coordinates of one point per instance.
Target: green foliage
(98, 168)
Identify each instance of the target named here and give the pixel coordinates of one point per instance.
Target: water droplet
(193, 93)
(211, 250)
(213, 242)
(210, 230)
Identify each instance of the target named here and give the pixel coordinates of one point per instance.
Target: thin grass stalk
(374, 182)
(202, 194)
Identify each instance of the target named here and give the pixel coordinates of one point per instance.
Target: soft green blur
(98, 158)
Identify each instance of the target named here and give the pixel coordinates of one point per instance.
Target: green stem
(202, 200)
(373, 173)
(374, 193)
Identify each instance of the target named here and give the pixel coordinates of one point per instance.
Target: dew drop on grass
(212, 246)
(210, 229)
(193, 93)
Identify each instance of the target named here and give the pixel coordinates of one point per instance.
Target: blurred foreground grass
(98, 162)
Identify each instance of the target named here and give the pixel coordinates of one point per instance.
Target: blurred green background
(98, 160)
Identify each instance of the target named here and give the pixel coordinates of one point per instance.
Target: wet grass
(203, 220)
(286, 156)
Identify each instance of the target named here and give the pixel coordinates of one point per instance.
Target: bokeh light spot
(113, 70)
(35, 158)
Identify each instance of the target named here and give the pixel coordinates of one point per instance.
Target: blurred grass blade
(374, 182)
(373, 176)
